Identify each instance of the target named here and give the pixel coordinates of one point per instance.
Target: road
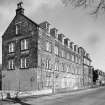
(94, 96)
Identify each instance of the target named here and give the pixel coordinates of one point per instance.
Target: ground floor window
(24, 62)
(11, 65)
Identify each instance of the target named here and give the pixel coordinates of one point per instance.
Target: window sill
(24, 68)
(25, 51)
(48, 51)
(11, 69)
(11, 53)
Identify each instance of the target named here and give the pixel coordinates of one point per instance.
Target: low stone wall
(19, 80)
(12, 94)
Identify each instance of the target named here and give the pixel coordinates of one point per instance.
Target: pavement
(79, 97)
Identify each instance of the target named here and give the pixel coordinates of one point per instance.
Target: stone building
(101, 77)
(35, 57)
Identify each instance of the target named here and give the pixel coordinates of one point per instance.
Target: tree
(0, 76)
(96, 6)
(95, 76)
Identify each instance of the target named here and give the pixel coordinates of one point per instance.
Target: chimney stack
(20, 9)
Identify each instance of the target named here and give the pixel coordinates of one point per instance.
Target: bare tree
(96, 6)
(1, 94)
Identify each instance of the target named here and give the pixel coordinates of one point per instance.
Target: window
(73, 68)
(11, 47)
(60, 67)
(75, 48)
(39, 44)
(48, 79)
(56, 66)
(48, 82)
(50, 65)
(56, 50)
(24, 44)
(63, 67)
(76, 59)
(85, 61)
(88, 63)
(68, 56)
(48, 46)
(11, 64)
(67, 68)
(43, 62)
(72, 57)
(47, 63)
(63, 53)
(70, 68)
(79, 61)
(18, 28)
(40, 32)
(24, 62)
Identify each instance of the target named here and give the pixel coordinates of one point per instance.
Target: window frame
(11, 64)
(18, 27)
(23, 63)
(48, 46)
(24, 44)
(11, 47)
(56, 50)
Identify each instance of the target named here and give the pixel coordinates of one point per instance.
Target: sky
(75, 23)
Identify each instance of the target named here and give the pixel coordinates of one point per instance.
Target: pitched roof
(30, 20)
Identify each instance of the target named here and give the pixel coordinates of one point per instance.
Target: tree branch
(99, 4)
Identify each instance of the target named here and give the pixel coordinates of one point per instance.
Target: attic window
(18, 28)
(11, 47)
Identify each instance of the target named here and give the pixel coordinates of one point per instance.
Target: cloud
(36, 4)
(93, 40)
(7, 3)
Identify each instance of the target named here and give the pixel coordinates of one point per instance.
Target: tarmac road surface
(94, 96)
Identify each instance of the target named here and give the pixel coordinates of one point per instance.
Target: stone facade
(28, 31)
(101, 77)
(35, 57)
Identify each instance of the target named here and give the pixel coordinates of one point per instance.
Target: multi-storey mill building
(35, 57)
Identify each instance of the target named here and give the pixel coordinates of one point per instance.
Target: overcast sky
(85, 30)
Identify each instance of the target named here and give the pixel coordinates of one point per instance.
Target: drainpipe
(53, 88)
(83, 71)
